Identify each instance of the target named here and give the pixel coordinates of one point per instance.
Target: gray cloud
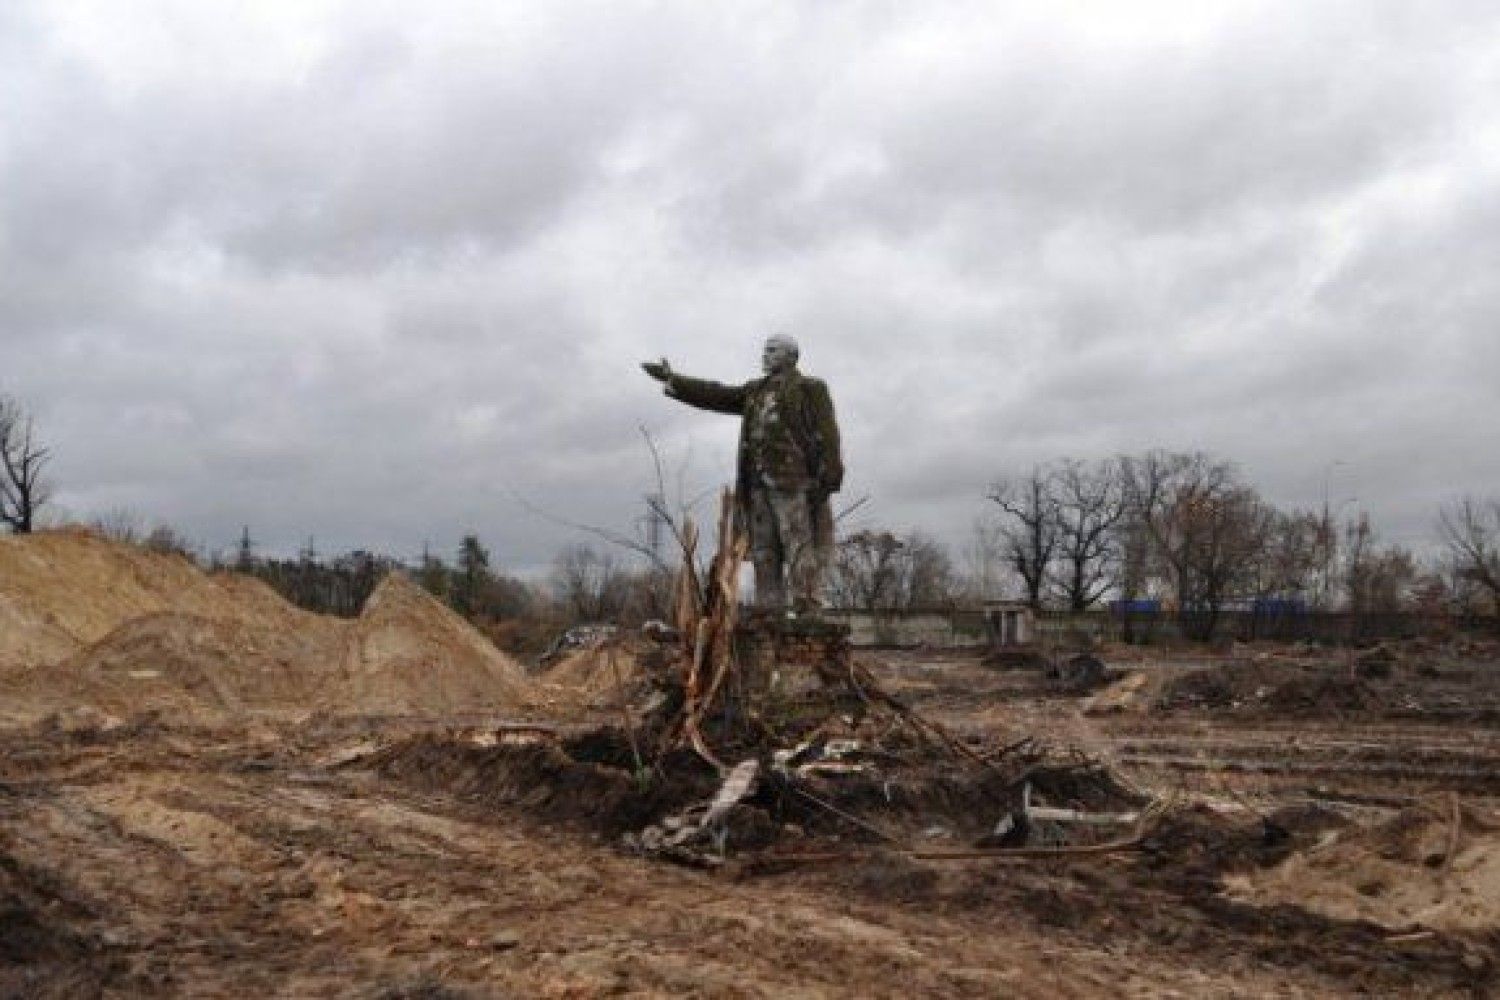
(365, 274)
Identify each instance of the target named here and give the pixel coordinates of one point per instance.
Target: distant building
(1011, 625)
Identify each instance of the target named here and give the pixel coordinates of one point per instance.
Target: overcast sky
(368, 271)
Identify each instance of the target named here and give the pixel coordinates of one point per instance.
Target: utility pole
(245, 560)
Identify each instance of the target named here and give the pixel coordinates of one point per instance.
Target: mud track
(159, 862)
(1394, 758)
(390, 855)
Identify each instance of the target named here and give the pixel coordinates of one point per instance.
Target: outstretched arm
(698, 392)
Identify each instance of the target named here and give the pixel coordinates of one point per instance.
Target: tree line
(1189, 531)
(1184, 530)
(585, 583)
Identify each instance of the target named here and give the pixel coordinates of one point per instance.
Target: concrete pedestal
(765, 644)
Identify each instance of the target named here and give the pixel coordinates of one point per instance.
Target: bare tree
(1471, 531)
(23, 490)
(1292, 562)
(1143, 481)
(590, 584)
(649, 594)
(1089, 500)
(867, 571)
(1232, 532)
(1376, 578)
(983, 556)
(119, 524)
(1324, 551)
(169, 541)
(1029, 527)
(930, 579)
(878, 571)
(1206, 530)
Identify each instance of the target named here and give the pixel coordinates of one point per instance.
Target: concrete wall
(963, 628)
(956, 629)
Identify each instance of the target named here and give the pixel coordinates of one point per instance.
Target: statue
(789, 466)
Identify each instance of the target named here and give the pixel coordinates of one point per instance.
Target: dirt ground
(155, 861)
(1323, 844)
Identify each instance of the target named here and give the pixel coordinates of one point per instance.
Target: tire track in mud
(282, 881)
(185, 905)
(1355, 756)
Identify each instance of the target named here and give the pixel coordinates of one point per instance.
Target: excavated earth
(204, 792)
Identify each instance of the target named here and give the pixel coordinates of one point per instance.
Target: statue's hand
(659, 370)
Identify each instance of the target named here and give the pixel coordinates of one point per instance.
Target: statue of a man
(789, 465)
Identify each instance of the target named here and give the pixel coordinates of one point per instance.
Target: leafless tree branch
(23, 490)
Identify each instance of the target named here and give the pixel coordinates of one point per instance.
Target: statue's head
(780, 354)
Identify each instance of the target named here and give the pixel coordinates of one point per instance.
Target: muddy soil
(462, 855)
(178, 863)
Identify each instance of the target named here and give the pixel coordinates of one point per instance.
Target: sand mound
(192, 667)
(601, 668)
(90, 624)
(408, 652)
(62, 590)
(1434, 866)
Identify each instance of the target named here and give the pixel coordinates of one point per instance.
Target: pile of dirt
(605, 673)
(1322, 693)
(63, 590)
(1282, 687)
(1165, 900)
(91, 625)
(407, 652)
(1433, 866)
(1079, 674)
(187, 666)
(561, 782)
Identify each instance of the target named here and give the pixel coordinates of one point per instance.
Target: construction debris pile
(705, 760)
